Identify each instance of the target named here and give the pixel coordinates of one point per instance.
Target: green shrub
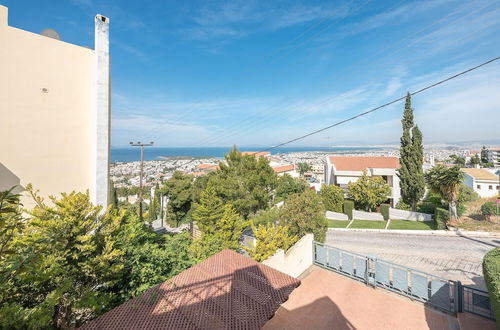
(427, 207)
(441, 217)
(489, 209)
(491, 271)
(384, 209)
(466, 194)
(461, 208)
(348, 207)
(403, 206)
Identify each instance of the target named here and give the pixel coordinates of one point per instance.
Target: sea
(130, 154)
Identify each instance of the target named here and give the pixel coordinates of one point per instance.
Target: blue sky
(257, 73)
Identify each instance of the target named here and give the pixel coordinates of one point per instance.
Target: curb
(456, 232)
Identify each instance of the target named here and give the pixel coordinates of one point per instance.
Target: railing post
(458, 299)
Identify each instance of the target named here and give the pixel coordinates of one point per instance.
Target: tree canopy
(179, 191)
(368, 192)
(411, 159)
(332, 197)
(287, 185)
(446, 181)
(269, 238)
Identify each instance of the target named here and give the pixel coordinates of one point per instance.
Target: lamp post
(142, 145)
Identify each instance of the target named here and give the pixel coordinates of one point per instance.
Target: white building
(494, 156)
(54, 112)
(340, 170)
(485, 183)
(286, 169)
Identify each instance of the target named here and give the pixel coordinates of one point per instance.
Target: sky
(259, 73)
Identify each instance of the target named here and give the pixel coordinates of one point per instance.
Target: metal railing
(446, 295)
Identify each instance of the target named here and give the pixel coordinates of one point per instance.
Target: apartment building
(55, 112)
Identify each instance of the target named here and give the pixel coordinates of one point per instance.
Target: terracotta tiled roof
(284, 168)
(226, 291)
(208, 166)
(362, 163)
(255, 153)
(480, 174)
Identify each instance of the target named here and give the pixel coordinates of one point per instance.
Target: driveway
(452, 257)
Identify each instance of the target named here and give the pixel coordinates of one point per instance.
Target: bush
(466, 194)
(441, 217)
(403, 206)
(348, 207)
(332, 197)
(384, 209)
(461, 208)
(491, 271)
(427, 207)
(489, 209)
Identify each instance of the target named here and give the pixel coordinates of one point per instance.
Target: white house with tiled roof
(340, 170)
(485, 183)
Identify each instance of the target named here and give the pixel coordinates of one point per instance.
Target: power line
(383, 105)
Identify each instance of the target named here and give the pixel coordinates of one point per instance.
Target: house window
(490, 187)
(478, 186)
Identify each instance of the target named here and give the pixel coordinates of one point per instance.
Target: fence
(446, 295)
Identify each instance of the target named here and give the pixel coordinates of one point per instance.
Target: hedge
(441, 217)
(491, 271)
(348, 207)
(384, 209)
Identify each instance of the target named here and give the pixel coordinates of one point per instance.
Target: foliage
(348, 208)
(303, 168)
(489, 209)
(484, 155)
(287, 185)
(475, 160)
(368, 192)
(149, 258)
(113, 194)
(264, 217)
(178, 190)
(457, 160)
(246, 182)
(222, 232)
(332, 197)
(304, 213)
(412, 157)
(270, 238)
(208, 211)
(402, 206)
(384, 209)
(441, 217)
(66, 262)
(466, 194)
(491, 271)
(446, 181)
(427, 207)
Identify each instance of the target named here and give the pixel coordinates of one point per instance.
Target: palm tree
(446, 181)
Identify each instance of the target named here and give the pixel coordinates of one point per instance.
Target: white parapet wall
(336, 216)
(361, 215)
(409, 215)
(296, 260)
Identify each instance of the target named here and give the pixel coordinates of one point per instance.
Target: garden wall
(296, 260)
(409, 215)
(336, 216)
(361, 215)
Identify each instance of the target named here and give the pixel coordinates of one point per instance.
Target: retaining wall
(409, 215)
(361, 215)
(296, 260)
(336, 216)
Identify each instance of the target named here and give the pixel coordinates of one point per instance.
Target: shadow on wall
(8, 180)
(322, 313)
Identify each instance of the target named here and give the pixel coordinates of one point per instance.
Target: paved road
(452, 257)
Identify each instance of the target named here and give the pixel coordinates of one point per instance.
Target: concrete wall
(336, 216)
(47, 103)
(409, 215)
(361, 215)
(296, 260)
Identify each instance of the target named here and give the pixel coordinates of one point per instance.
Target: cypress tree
(410, 172)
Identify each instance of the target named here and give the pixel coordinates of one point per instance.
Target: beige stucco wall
(296, 260)
(46, 93)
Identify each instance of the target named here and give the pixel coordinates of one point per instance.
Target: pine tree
(208, 211)
(411, 152)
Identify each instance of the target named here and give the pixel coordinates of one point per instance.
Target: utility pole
(142, 145)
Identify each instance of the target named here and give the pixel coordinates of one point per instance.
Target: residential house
(55, 112)
(485, 183)
(340, 170)
(286, 169)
